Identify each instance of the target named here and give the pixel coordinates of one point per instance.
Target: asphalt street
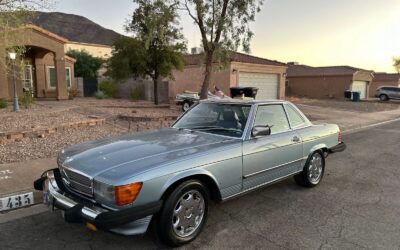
(357, 206)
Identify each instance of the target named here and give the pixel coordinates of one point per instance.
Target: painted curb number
(16, 201)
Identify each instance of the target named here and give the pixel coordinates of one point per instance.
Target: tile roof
(304, 70)
(197, 59)
(386, 77)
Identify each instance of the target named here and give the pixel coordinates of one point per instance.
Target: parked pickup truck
(217, 150)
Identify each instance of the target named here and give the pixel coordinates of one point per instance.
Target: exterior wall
(319, 86)
(96, 50)
(238, 67)
(375, 84)
(191, 79)
(42, 84)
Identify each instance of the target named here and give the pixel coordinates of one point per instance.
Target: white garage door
(267, 84)
(360, 86)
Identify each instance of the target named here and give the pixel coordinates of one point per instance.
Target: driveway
(355, 207)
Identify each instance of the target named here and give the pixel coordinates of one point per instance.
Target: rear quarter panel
(317, 137)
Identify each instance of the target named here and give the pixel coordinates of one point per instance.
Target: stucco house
(242, 70)
(46, 68)
(327, 82)
(47, 37)
(383, 79)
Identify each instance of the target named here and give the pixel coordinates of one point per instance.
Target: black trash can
(247, 91)
(355, 96)
(347, 94)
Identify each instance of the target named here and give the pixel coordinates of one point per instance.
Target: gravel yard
(40, 117)
(29, 149)
(363, 106)
(52, 113)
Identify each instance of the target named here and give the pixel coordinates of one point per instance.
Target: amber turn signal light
(127, 194)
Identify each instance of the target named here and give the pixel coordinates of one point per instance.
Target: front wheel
(184, 214)
(313, 171)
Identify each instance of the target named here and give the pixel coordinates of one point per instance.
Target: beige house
(242, 70)
(46, 69)
(327, 82)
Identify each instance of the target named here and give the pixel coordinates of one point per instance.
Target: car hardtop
(249, 101)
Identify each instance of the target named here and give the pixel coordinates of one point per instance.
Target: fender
(184, 174)
(317, 147)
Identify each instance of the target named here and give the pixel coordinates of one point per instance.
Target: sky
(359, 33)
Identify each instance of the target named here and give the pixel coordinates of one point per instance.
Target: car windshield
(227, 119)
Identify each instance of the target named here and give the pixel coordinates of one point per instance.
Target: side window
(274, 116)
(294, 117)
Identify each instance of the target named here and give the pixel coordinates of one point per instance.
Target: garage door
(360, 86)
(267, 84)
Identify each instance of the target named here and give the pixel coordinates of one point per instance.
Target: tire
(383, 98)
(313, 171)
(171, 226)
(186, 106)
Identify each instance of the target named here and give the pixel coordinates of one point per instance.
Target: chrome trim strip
(261, 185)
(269, 169)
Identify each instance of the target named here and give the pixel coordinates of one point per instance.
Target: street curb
(38, 196)
(357, 129)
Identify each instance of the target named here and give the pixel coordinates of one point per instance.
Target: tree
(156, 47)
(86, 65)
(396, 63)
(224, 26)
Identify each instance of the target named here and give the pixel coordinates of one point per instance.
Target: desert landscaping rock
(45, 146)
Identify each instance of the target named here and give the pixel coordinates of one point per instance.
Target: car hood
(132, 154)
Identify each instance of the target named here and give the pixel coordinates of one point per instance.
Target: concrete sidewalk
(17, 178)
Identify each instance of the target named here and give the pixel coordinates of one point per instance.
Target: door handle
(295, 139)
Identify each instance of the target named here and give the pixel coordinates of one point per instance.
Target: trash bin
(247, 91)
(347, 94)
(355, 96)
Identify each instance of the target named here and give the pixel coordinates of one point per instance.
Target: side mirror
(261, 131)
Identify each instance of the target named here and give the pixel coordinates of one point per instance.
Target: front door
(268, 158)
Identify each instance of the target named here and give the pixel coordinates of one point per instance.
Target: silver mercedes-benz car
(215, 151)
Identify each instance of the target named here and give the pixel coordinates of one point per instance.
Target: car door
(272, 157)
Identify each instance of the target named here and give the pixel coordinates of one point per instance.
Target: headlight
(103, 192)
(119, 195)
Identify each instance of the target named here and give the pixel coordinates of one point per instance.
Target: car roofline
(243, 101)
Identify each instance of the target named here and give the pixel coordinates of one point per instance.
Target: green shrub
(109, 88)
(3, 103)
(137, 93)
(27, 99)
(100, 95)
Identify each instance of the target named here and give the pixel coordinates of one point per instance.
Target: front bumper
(338, 148)
(128, 221)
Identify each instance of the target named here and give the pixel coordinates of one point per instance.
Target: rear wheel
(184, 214)
(313, 171)
(383, 97)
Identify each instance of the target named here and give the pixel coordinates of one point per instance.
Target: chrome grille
(77, 182)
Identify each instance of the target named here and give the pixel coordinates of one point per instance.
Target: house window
(68, 77)
(52, 77)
